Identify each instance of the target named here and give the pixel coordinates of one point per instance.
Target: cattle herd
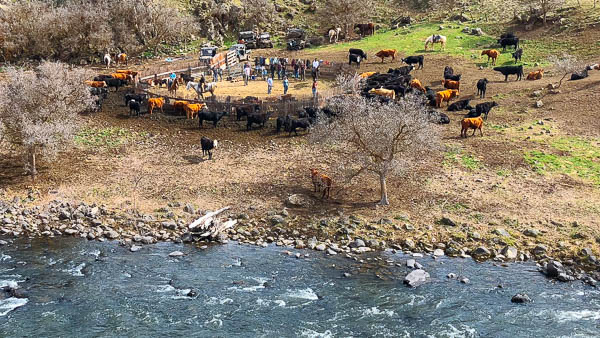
(385, 87)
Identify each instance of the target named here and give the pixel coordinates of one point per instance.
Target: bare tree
(565, 64)
(383, 139)
(344, 13)
(39, 109)
(543, 7)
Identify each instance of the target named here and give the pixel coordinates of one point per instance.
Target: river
(79, 288)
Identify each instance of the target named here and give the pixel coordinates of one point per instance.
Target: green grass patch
(107, 137)
(469, 162)
(411, 41)
(454, 156)
(579, 158)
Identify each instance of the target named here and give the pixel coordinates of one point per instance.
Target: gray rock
(553, 269)
(418, 265)
(475, 235)
(147, 239)
(481, 252)
(3, 242)
(312, 243)
(416, 278)
(357, 243)
(563, 277)
(276, 220)
(111, 234)
(411, 263)
(447, 221)
(331, 252)
(300, 244)
(347, 274)
(502, 232)
(438, 252)
(135, 248)
(373, 243)
(189, 208)
(539, 104)
(536, 93)
(587, 252)
(71, 232)
(176, 254)
(170, 225)
(540, 250)
(531, 233)
(409, 244)
(299, 200)
(451, 276)
(321, 247)
(520, 298)
(465, 280)
(510, 252)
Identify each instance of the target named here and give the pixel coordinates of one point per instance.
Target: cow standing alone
(208, 145)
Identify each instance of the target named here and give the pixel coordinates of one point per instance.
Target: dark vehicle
(296, 39)
(248, 38)
(264, 41)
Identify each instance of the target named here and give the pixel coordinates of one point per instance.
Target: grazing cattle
(510, 70)
(365, 28)
(357, 51)
(321, 181)
(484, 109)
(508, 35)
(482, 87)
(121, 58)
(509, 42)
(242, 111)
(386, 53)
(155, 102)
(210, 116)
(389, 93)
(449, 84)
(367, 74)
(282, 122)
(115, 83)
(103, 78)
(518, 54)
(491, 54)
(121, 76)
(137, 97)
(293, 125)
(96, 84)
(460, 105)
(416, 84)
(208, 145)
(411, 60)
(260, 119)
(401, 71)
(579, 75)
(353, 58)
(192, 109)
(535, 75)
(471, 123)
(127, 71)
(134, 107)
(179, 106)
(445, 96)
(449, 74)
(436, 38)
(431, 96)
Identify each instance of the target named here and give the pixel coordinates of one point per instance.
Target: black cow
(293, 125)
(246, 110)
(482, 87)
(134, 107)
(354, 58)
(510, 70)
(518, 54)
(103, 77)
(115, 83)
(460, 105)
(484, 108)
(401, 71)
(508, 35)
(282, 122)
(411, 60)
(260, 119)
(579, 75)
(210, 116)
(359, 52)
(208, 145)
(509, 42)
(100, 92)
(187, 78)
(438, 117)
(449, 74)
(136, 97)
(431, 96)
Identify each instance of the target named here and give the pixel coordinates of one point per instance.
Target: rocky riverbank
(340, 235)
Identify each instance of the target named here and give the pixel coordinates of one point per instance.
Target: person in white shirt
(247, 72)
(269, 85)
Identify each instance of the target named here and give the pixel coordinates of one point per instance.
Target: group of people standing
(267, 68)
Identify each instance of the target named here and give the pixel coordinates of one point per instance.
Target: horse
(210, 87)
(435, 39)
(334, 34)
(107, 60)
(173, 86)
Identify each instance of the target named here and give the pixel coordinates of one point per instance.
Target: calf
(389, 93)
(445, 96)
(449, 84)
(367, 74)
(208, 145)
(260, 119)
(510, 70)
(321, 181)
(100, 92)
(482, 87)
(134, 107)
(491, 54)
(358, 52)
(449, 74)
(386, 53)
(471, 123)
(293, 125)
(416, 84)
(536, 75)
(518, 54)
(460, 105)
(484, 108)
(210, 116)
(353, 58)
(411, 60)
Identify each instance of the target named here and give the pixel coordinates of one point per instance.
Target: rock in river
(521, 298)
(416, 278)
(176, 254)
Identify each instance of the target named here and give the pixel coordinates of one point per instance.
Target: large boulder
(553, 269)
(520, 298)
(416, 278)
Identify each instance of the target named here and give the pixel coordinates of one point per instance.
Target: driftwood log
(209, 227)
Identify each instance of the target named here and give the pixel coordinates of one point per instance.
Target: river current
(79, 288)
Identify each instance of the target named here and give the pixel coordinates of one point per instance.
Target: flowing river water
(77, 288)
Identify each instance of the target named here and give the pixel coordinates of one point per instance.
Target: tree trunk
(561, 80)
(384, 196)
(32, 161)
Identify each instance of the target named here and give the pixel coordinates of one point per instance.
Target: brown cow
(121, 58)
(445, 96)
(537, 75)
(386, 53)
(415, 83)
(449, 84)
(321, 181)
(96, 84)
(155, 102)
(471, 123)
(192, 109)
(491, 54)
